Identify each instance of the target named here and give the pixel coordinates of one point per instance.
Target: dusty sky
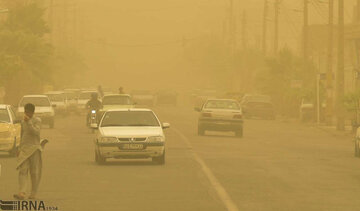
(142, 39)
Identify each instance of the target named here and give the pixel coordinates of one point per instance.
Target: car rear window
(222, 104)
(37, 101)
(56, 97)
(116, 100)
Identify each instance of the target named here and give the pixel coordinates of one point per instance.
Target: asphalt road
(276, 166)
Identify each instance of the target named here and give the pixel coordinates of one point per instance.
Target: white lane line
(220, 190)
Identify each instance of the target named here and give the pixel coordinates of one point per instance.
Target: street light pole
(329, 71)
(306, 26)
(340, 71)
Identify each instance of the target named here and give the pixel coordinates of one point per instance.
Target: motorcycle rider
(93, 104)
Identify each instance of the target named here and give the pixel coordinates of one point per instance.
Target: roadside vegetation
(28, 61)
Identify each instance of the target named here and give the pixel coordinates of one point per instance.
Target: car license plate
(132, 146)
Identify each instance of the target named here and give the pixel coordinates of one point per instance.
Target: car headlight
(108, 140)
(156, 139)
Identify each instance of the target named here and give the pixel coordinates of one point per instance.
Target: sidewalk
(333, 131)
(322, 126)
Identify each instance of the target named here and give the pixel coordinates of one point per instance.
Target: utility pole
(340, 70)
(276, 30)
(265, 14)
(65, 24)
(358, 11)
(329, 70)
(75, 25)
(306, 28)
(243, 31)
(232, 41)
(51, 21)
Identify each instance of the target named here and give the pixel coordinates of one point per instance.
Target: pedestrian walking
(29, 160)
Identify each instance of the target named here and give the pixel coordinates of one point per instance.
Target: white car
(220, 115)
(130, 133)
(43, 108)
(58, 98)
(72, 99)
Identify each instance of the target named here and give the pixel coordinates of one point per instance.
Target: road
(276, 166)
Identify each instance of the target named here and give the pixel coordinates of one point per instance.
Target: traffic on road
(182, 105)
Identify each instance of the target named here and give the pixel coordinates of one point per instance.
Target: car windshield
(37, 101)
(85, 95)
(116, 100)
(56, 97)
(129, 118)
(222, 104)
(4, 116)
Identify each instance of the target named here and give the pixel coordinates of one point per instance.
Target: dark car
(258, 106)
(166, 98)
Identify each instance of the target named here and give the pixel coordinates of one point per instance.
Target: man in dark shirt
(92, 104)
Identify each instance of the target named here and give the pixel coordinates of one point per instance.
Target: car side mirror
(165, 125)
(197, 109)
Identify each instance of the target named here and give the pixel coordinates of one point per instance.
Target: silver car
(130, 133)
(220, 115)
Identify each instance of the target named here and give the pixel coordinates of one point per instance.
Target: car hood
(131, 131)
(4, 127)
(38, 109)
(108, 107)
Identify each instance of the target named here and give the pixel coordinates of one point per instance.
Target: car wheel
(159, 160)
(239, 133)
(99, 159)
(13, 151)
(201, 131)
(357, 150)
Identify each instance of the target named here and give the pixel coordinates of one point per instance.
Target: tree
(24, 54)
(276, 81)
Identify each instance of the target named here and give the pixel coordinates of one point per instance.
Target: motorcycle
(92, 120)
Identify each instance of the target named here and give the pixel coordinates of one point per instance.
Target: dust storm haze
(180, 105)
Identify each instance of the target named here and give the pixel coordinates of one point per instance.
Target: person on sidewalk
(29, 159)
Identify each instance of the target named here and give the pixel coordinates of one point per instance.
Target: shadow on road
(214, 135)
(126, 163)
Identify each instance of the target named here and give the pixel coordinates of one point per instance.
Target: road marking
(220, 190)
